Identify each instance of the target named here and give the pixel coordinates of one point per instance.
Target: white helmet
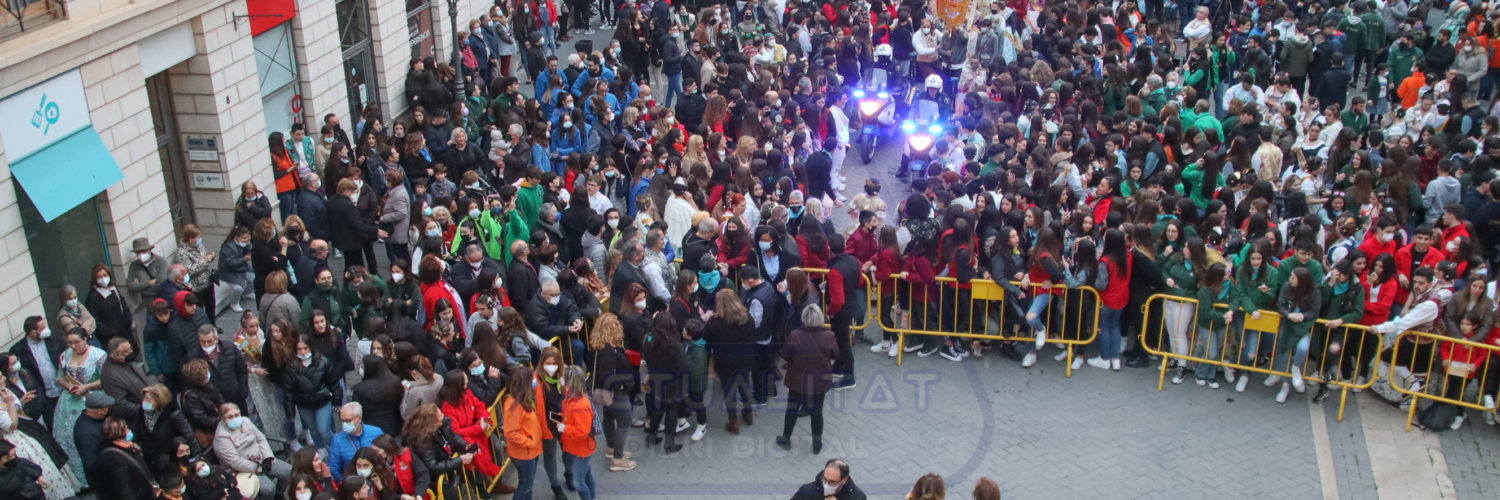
(934, 82)
(884, 50)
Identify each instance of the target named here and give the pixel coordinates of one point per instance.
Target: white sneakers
(1229, 374)
(699, 432)
(1272, 380)
(894, 350)
(1114, 364)
(1281, 396)
(1180, 376)
(1029, 360)
(1060, 356)
(1489, 404)
(1078, 362)
(882, 346)
(1099, 363)
(1297, 382)
(1240, 386)
(1041, 338)
(1213, 383)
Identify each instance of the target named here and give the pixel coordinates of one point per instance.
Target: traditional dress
(83, 369)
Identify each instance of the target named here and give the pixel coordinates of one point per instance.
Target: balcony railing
(20, 16)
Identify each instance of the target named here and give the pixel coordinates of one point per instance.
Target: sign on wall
(35, 118)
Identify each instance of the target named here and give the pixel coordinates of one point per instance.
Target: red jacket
(401, 466)
(1405, 266)
(432, 293)
(1373, 247)
(1452, 233)
(862, 245)
(887, 262)
(1378, 301)
(812, 257)
(466, 415)
(1117, 294)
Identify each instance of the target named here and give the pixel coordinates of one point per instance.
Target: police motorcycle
(922, 127)
(877, 109)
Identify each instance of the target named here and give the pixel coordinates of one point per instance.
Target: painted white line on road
(1326, 473)
(1405, 464)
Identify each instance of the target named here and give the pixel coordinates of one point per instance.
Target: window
(18, 16)
(419, 27)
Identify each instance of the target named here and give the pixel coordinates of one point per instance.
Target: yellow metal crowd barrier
(1338, 355)
(982, 314)
(818, 276)
(1448, 367)
(466, 487)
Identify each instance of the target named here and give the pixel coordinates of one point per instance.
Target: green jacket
(529, 203)
(1348, 306)
(1179, 270)
(1208, 316)
(1194, 173)
(1374, 30)
(1359, 122)
(1284, 271)
(1355, 38)
(1248, 296)
(697, 367)
(1401, 60)
(1207, 123)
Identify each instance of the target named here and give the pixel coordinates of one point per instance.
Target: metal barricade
(818, 277)
(983, 311)
(1337, 355)
(1447, 368)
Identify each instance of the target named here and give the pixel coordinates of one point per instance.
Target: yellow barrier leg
(900, 347)
(1343, 398)
(1161, 379)
(1411, 412)
(1068, 365)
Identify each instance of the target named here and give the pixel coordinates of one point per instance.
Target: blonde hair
(727, 305)
(608, 332)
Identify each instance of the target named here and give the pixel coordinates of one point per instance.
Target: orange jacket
(1410, 89)
(523, 432)
(578, 426)
(541, 404)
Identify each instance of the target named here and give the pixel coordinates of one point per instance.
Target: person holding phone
(523, 430)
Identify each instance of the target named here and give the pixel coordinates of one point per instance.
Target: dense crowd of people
(583, 258)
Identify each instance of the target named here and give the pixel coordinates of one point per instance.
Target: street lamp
(458, 66)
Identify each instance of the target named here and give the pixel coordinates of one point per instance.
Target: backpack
(1438, 416)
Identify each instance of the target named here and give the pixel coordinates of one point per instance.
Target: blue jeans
(674, 88)
(1212, 340)
(525, 474)
(1109, 339)
(1250, 341)
(550, 450)
(288, 204)
(1039, 309)
(583, 476)
(1299, 354)
(549, 39)
(318, 421)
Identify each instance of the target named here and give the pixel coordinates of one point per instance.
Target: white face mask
(397, 277)
(72, 302)
(103, 282)
(1386, 237)
(363, 472)
(554, 299)
(143, 257)
(497, 282)
(211, 349)
(613, 223)
(640, 304)
(304, 495)
(550, 369)
(46, 332)
(829, 489)
(1451, 247)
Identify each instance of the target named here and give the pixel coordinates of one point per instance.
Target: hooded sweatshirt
(1441, 192)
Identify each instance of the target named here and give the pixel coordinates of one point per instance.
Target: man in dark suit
(465, 276)
(230, 375)
(38, 353)
(350, 230)
(307, 266)
(521, 281)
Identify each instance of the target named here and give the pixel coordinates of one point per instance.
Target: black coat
(381, 398)
(112, 314)
(246, 212)
(123, 472)
(201, 407)
(158, 438)
(1333, 86)
(690, 109)
(349, 230)
(437, 454)
(314, 213)
(308, 386)
(88, 437)
(265, 258)
(55, 348)
(522, 284)
(574, 221)
(231, 377)
(469, 158)
(551, 321)
(814, 491)
(19, 478)
(465, 279)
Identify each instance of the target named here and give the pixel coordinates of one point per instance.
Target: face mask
(147, 406)
(550, 369)
(363, 472)
(143, 257)
(496, 211)
(497, 282)
(328, 140)
(640, 304)
(186, 277)
(129, 435)
(1386, 238)
(304, 495)
(204, 471)
(72, 302)
(474, 214)
(554, 300)
(350, 427)
(568, 125)
(103, 282)
(234, 424)
(795, 211)
(477, 371)
(765, 245)
(433, 233)
(610, 174)
(46, 332)
(1451, 247)
(829, 489)
(304, 357)
(325, 286)
(211, 349)
(15, 367)
(397, 277)
(427, 211)
(613, 223)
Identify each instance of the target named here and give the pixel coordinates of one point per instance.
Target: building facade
(129, 118)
